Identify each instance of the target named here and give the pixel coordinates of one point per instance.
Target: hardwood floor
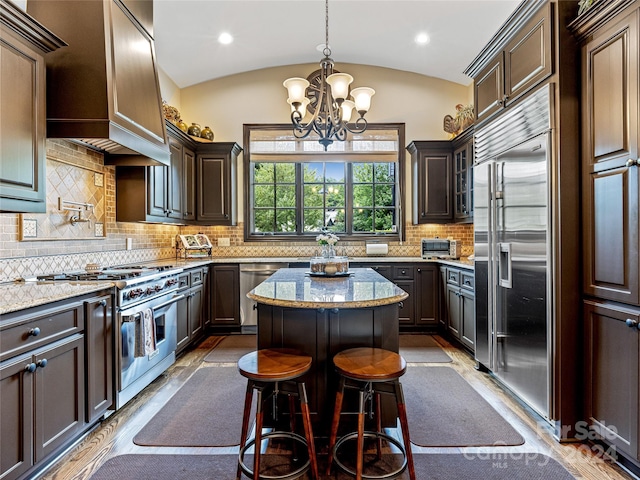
(114, 436)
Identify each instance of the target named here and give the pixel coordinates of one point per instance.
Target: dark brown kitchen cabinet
(612, 343)
(432, 181)
(427, 298)
(104, 88)
(100, 345)
(463, 176)
(23, 46)
(459, 305)
(191, 312)
(525, 61)
(216, 166)
(225, 295)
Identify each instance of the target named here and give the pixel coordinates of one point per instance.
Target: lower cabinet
(55, 379)
(191, 311)
(225, 295)
(612, 342)
(458, 312)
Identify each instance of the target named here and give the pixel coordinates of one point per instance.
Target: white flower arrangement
(327, 239)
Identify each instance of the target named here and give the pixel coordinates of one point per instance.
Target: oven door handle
(132, 317)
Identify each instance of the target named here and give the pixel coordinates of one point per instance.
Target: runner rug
(231, 349)
(422, 349)
(431, 466)
(205, 412)
(443, 410)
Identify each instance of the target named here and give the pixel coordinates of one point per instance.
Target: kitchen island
(322, 316)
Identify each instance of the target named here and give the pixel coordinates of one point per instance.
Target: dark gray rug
(432, 466)
(205, 412)
(422, 349)
(443, 410)
(231, 349)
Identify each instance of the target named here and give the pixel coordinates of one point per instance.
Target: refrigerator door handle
(504, 265)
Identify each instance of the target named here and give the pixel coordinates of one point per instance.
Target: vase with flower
(327, 242)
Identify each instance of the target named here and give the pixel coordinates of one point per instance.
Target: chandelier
(324, 95)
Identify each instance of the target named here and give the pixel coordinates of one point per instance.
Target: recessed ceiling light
(225, 38)
(422, 38)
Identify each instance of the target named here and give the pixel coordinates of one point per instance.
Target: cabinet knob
(30, 367)
(419, 270)
(103, 303)
(34, 332)
(226, 215)
(401, 304)
(404, 272)
(631, 162)
(631, 323)
(42, 363)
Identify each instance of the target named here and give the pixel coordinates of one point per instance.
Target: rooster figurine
(464, 118)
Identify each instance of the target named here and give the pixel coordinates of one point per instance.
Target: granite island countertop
(295, 288)
(21, 295)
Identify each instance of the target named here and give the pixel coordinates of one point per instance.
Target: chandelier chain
(327, 49)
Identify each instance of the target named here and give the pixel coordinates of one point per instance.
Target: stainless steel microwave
(439, 248)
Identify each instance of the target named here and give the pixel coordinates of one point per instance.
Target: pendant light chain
(327, 50)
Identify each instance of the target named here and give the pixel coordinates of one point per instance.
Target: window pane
(385, 219)
(286, 220)
(263, 172)
(313, 172)
(335, 196)
(285, 173)
(363, 220)
(313, 220)
(263, 196)
(335, 220)
(263, 220)
(334, 172)
(313, 196)
(384, 196)
(285, 196)
(362, 196)
(362, 172)
(385, 172)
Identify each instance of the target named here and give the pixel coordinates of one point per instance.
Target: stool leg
(335, 422)
(248, 399)
(257, 445)
(379, 424)
(402, 413)
(308, 431)
(360, 451)
(292, 423)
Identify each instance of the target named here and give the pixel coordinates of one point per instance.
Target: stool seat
(274, 364)
(370, 364)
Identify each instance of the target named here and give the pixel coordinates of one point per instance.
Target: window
(294, 189)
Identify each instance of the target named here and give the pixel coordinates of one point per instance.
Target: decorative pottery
(207, 133)
(181, 124)
(194, 130)
(170, 113)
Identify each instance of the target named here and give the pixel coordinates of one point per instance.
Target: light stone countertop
(295, 288)
(19, 296)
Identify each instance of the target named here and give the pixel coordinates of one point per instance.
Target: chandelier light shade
(326, 96)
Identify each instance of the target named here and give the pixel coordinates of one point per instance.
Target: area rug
(443, 410)
(231, 349)
(205, 412)
(526, 466)
(422, 349)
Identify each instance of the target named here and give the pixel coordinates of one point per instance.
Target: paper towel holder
(376, 248)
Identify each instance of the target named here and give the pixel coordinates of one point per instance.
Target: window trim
(280, 237)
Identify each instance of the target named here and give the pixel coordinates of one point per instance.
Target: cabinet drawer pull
(30, 367)
(42, 363)
(34, 332)
(632, 323)
(467, 282)
(103, 303)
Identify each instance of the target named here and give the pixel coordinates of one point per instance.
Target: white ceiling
(287, 32)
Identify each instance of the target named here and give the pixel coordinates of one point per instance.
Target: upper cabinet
(518, 65)
(23, 46)
(102, 90)
(463, 176)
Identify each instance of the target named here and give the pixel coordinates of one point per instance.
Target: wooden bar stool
(373, 371)
(271, 372)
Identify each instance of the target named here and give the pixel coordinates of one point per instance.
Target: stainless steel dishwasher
(251, 275)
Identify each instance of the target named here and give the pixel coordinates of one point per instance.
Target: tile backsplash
(152, 242)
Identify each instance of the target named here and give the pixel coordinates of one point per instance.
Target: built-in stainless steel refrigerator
(512, 250)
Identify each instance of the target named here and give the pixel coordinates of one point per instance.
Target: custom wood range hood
(103, 89)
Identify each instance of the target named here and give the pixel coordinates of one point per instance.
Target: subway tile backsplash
(22, 259)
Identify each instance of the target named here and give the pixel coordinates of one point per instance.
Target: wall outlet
(129, 243)
(224, 242)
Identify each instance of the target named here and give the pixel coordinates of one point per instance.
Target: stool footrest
(294, 474)
(376, 435)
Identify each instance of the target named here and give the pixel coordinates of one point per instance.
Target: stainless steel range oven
(139, 289)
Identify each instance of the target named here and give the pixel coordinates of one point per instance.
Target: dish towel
(145, 334)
